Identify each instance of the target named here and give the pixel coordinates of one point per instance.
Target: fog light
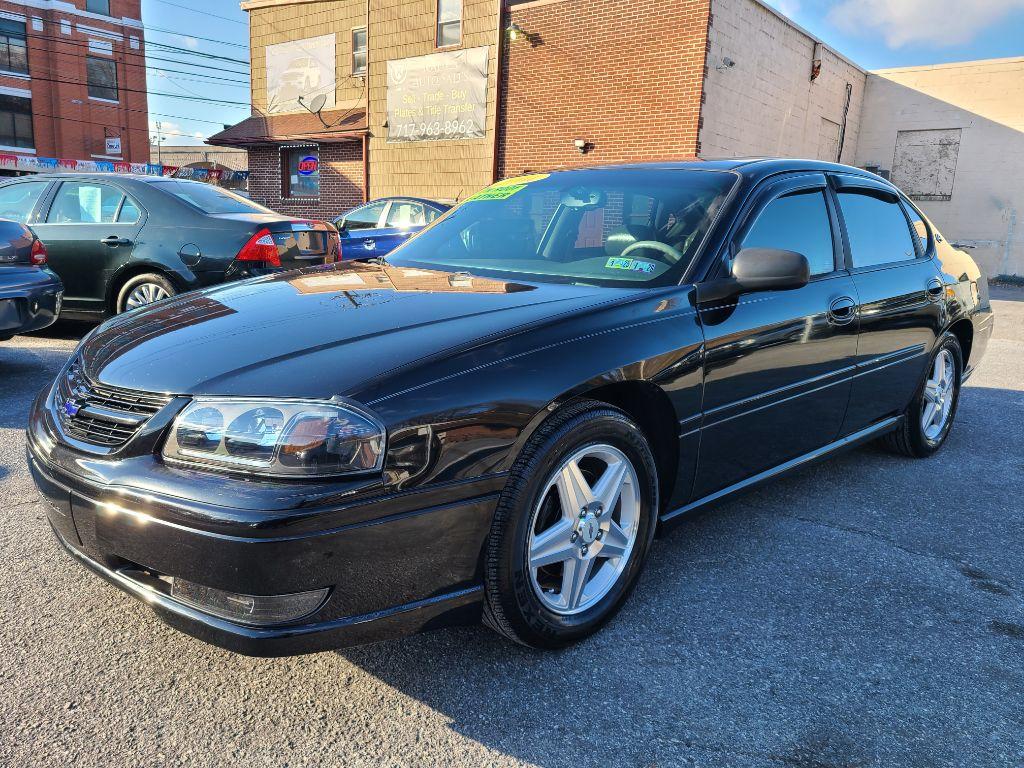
(248, 609)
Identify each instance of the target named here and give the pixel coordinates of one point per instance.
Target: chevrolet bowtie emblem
(71, 408)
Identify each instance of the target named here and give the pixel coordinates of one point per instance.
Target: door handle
(113, 241)
(935, 289)
(842, 311)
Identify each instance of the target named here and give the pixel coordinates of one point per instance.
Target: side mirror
(758, 269)
(770, 269)
(339, 224)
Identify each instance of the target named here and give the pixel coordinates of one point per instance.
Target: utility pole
(159, 143)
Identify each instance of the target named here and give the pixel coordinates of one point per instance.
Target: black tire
(909, 439)
(150, 278)
(512, 607)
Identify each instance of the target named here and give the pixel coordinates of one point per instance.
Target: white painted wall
(985, 101)
(766, 104)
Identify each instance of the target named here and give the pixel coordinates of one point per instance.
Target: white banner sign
(300, 69)
(437, 97)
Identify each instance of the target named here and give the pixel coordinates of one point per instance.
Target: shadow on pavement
(802, 624)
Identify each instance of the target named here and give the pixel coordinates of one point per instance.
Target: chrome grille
(99, 414)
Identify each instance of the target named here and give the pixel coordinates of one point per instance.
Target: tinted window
(16, 122)
(209, 199)
(79, 202)
(877, 228)
(797, 222)
(404, 214)
(365, 217)
(918, 228)
(585, 227)
(18, 200)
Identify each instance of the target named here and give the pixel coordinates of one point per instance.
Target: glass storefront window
(301, 166)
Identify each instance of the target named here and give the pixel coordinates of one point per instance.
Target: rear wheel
(142, 290)
(929, 417)
(572, 528)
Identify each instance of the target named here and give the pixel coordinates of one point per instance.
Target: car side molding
(850, 441)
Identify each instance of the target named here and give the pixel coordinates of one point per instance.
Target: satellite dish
(318, 103)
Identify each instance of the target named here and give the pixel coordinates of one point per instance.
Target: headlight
(276, 438)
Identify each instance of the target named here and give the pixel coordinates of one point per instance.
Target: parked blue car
(378, 227)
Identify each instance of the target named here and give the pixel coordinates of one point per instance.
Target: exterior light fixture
(515, 33)
(581, 145)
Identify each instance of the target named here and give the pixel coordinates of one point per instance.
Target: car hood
(317, 332)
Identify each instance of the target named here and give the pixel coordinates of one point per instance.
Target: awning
(261, 130)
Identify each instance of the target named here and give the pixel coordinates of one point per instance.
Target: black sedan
(493, 423)
(120, 242)
(30, 294)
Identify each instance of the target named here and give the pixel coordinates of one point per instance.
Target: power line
(205, 13)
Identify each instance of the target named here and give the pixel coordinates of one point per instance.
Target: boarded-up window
(925, 163)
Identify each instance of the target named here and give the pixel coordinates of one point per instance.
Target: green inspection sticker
(631, 264)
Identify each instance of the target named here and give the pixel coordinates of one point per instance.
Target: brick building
(72, 80)
(358, 99)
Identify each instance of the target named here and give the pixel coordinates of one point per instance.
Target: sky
(203, 29)
(875, 34)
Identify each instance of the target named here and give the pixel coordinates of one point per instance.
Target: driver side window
(797, 222)
(365, 217)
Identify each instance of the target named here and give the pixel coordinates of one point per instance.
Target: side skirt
(863, 436)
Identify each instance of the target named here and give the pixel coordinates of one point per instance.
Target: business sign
(112, 145)
(438, 97)
(308, 165)
(300, 69)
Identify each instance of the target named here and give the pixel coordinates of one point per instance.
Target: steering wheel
(673, 255)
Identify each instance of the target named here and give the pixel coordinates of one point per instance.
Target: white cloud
(935, 22)
(788, 8)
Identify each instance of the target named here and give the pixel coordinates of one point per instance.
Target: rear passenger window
(796, 222)
(84, 203)
(879, 232)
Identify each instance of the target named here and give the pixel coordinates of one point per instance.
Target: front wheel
(572, 528)
(929, 417)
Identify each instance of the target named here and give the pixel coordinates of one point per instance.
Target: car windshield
(615, 227)
(209, 199)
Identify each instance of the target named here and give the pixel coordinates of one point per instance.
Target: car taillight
(261, 247)
(38, 255)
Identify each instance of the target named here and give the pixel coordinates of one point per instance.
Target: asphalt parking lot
(868, 611)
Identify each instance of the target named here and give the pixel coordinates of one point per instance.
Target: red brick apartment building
(73, 80)
(359, 99)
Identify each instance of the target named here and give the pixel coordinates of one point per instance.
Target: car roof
(99, 176)
(754, 168)
(411, 198)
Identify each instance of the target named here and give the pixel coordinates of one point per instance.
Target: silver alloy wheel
(938, 395)
(588, 529)
(144, 294)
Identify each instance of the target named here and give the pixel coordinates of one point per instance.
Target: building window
(449, 23)
(16, 122)
(102, 78)
(98, 6)
(301, 177)
(13, 56)
(359, 51)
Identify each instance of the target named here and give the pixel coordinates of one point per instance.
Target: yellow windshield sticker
(503, 190)
(497, 193)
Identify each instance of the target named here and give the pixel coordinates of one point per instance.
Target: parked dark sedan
(494, 422)
(120, 242)
(30, 294)
(376, 228)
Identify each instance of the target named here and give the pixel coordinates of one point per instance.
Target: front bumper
(395, 562)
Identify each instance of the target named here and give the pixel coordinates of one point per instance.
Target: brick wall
(66, 122)
(341, 181)
(766, 103)
(623, 75)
